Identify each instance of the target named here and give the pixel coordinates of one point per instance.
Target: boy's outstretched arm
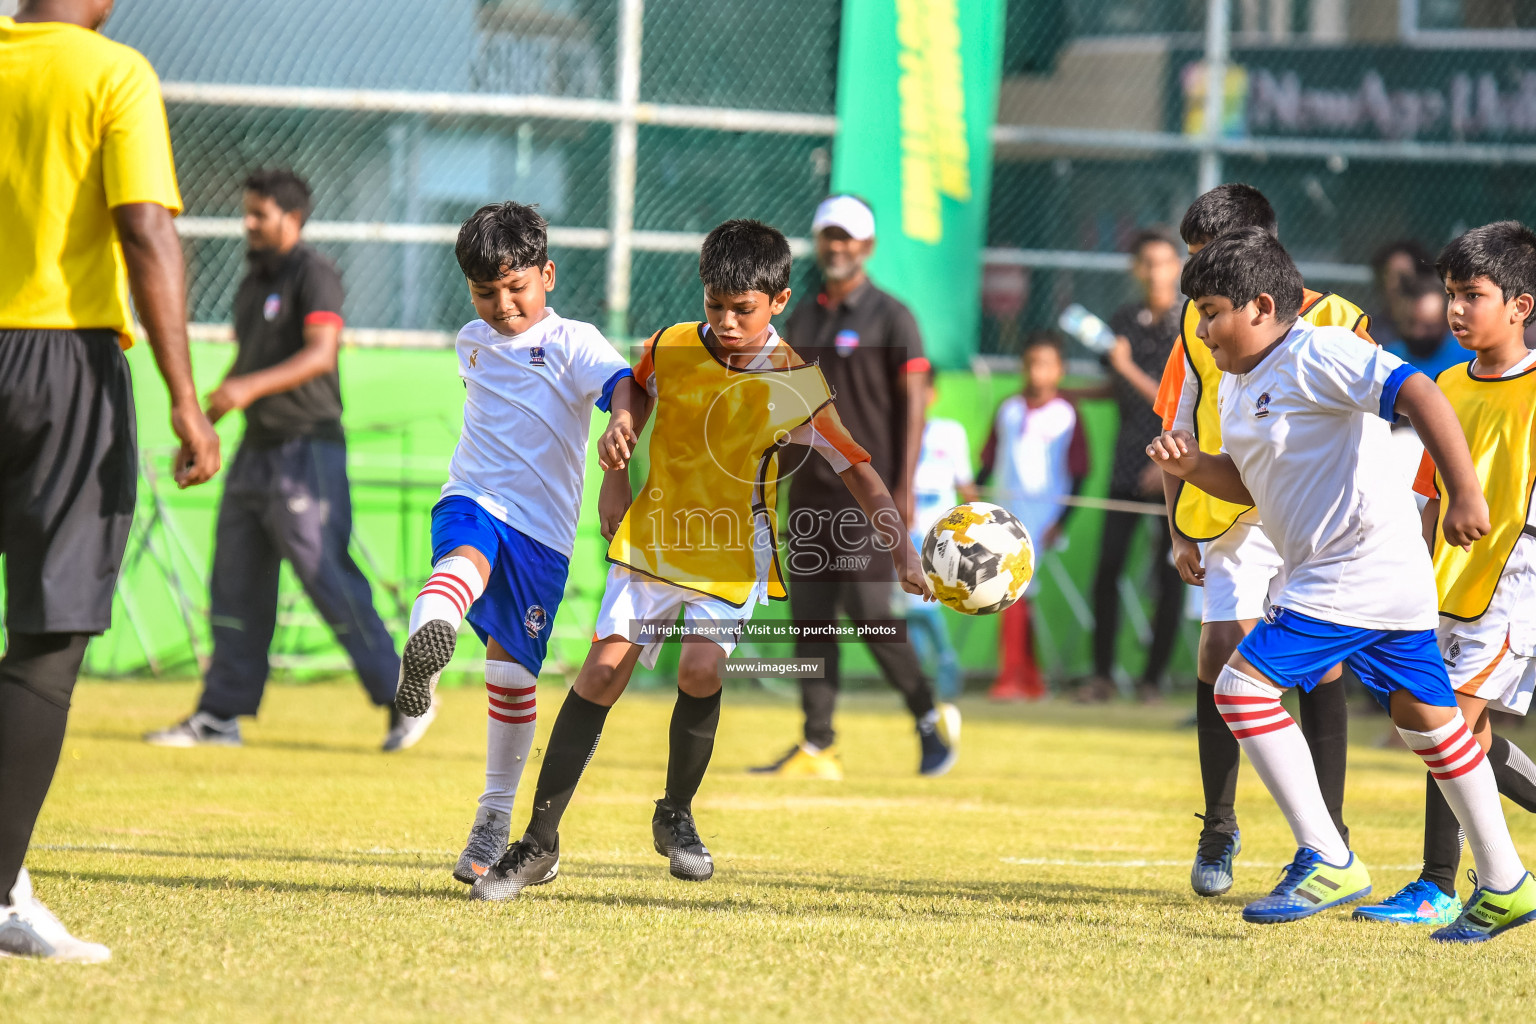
(1177, 453)
(626, 419)
(1430, 412)
(870, 492)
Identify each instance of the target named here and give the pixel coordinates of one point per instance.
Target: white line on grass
(384, 851)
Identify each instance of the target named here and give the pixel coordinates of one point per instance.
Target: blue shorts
(527, 579)
(1293, 649)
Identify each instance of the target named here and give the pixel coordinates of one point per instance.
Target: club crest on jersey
(845, 342)
(474, 358)
(1261, 406)
(272, 307)
(534, 620)
(536, 356)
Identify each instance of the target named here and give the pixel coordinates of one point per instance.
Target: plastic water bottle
(1077, 322)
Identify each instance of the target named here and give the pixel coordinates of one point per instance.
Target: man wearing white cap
(869, 348)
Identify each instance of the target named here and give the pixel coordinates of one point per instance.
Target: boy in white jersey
(1487, 630)
(699, 539)
(1039, 453)
(1234, 562)
(504, 529)
(1305, 415)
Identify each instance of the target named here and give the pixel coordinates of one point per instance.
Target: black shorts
(68, 476)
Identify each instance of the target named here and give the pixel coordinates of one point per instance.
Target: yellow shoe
(800, 763)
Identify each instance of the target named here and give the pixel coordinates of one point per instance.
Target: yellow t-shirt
(82, 129)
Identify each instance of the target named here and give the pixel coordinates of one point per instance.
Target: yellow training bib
(1498, 417)
(713, 464)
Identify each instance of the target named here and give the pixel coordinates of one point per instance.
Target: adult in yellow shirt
(87, 193)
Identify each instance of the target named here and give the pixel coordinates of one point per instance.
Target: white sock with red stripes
(1269, 736)
(509, 732)
(455, 584)
(1453, 757)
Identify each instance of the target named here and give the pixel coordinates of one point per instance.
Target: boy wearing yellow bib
(1222, 547)
(1487, 632)
(700, 539)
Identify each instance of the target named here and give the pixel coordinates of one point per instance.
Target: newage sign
(1372, 92)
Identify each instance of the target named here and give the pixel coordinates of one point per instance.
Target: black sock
(37, 676)
(572, 742)
(1325, 724)
(694, 721)
(1442, 839)
(1220, 756)
(1514, 772)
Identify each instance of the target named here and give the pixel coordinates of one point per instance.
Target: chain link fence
(405, 115)
(1366, 122)
(638, 127)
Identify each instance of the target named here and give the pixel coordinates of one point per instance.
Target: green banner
(916, 99)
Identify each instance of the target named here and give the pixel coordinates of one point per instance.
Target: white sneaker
(28, 929)
(408, 731)
(200, 729)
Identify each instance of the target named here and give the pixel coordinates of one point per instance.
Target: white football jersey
(1309, 429)
(527, 418)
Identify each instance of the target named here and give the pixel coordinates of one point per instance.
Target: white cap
(846, 212)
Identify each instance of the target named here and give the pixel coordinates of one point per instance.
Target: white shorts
(638, 608)
(1489, 666)
(1242, 571)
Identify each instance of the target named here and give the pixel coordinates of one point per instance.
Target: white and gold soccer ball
(979, 558)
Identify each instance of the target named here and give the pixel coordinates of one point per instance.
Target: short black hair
(745, 256)
(285, 188)
(1410, 247)
(1242, 265)
(500, 238)
(1504, 252)
(1043, 338)
(1151, 236)
(1226, 208)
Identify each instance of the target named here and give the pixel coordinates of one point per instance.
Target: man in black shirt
(286, 494)
(1144, 333)
(868, 346)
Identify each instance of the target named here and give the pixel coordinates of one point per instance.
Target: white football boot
(28, 929)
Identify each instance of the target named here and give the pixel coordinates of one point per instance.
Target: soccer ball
(979, 558)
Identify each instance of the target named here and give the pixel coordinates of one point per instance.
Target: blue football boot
(1308, 886)
(1489, 913)
(1212, 871)
(1418, 902)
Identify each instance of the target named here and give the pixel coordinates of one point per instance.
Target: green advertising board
(916, 97)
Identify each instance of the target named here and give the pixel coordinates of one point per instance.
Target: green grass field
(305, 877)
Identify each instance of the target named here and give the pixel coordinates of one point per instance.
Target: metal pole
(1218, 32)
(621, 172)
